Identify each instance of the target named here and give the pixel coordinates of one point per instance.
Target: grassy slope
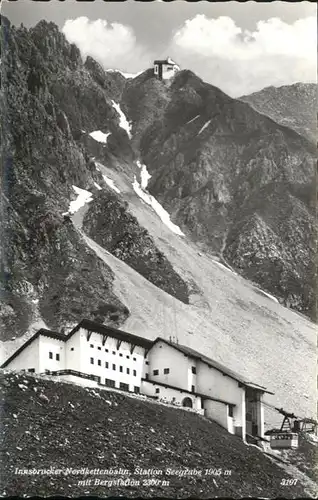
(230, 321)
(78, 427)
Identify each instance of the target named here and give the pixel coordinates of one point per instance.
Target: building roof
(188, 351)
(164, 61)
(89, 325)
(112, 332)
(203, 396)
(44, 332)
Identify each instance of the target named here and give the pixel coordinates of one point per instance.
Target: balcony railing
(73, 372)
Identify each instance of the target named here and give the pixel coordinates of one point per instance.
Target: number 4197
(288, 482)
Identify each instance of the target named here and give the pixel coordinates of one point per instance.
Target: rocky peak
(54, 47)
(112, 82)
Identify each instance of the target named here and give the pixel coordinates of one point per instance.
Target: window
(114, 352)
(106, 364)
(134, 373)
(194, 370)
(99, 362)
(166, 370)
(51, 355)
(124, 387)
(99, 348)
(192, 388)
(156, 69)
(106, 350)
(127, 357)
(92, 361)
(137, 389)
(121, 369)
(72, 348)
(114, 367)
(128, 371)
(156, 372)
(120, 354)
(57, 357)
(109, 383)
(134, 359)
(31, 370)
(91, 345)
(146, 376)
(157, 390)
(231, 410)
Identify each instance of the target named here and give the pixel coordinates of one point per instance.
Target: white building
(165, 69)
(98, 355)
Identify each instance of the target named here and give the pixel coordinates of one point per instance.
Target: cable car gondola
(287, 436)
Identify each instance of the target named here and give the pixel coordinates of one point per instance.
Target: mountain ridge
(291, 105)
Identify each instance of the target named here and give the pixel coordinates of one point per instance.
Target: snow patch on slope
(110, 183)
(258, 289)
(190, 121)
(224, 267)
(204, 126)
(99, 136)
(81, 200)
(155, 205)
(97, 186)
(131, 75)
(268, 295)
(126, 75)
(123, 122)
(144, 175)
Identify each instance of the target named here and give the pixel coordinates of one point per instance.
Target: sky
(239, 47)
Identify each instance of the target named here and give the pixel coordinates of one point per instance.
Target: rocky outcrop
(48, 270)
(108, 222)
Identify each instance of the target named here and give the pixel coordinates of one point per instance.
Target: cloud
(236, 60)
(113, 45)
(242, 61)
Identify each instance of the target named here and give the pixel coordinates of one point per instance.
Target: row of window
(165, 371)
(121, 368)
(122, 385)
(114, 352)
(57, 356)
